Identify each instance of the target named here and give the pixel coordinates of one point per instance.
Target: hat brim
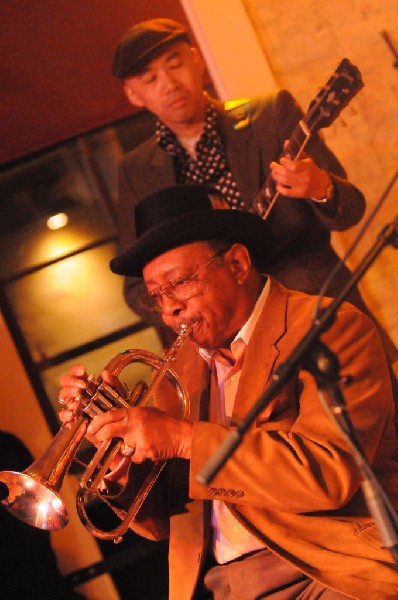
(234, 225)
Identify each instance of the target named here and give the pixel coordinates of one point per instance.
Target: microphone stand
(388, 235)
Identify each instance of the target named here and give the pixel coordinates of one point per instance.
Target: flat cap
(143, 42)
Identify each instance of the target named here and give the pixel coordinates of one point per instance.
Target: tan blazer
(293, 481)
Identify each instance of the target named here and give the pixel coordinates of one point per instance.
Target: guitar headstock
(340, 88)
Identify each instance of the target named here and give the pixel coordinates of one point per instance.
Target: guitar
(340, 88)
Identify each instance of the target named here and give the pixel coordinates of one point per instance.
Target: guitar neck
(343, 84)
(267, 195)
(297, 142)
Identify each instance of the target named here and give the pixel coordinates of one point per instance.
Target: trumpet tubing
(33, 495)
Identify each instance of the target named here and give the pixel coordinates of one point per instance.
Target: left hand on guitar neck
(300, 178)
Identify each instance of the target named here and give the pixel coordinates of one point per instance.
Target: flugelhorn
(33, 495)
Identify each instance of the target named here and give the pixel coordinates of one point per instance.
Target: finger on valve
(126, 450)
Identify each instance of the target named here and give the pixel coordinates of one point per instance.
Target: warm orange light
(57, 221)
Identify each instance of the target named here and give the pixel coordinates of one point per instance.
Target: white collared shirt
(231, 538)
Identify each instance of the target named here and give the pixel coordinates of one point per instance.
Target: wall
(236, 62)
(304, 40)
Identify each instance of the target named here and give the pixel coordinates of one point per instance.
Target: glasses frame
(168, 289)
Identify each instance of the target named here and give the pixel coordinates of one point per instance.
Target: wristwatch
(328, 194)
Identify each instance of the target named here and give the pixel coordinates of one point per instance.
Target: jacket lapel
(160, 167)
(237, 134)
(262, 352)
(193, 371)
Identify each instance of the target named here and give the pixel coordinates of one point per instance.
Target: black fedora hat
(143, 42)
(186, 213)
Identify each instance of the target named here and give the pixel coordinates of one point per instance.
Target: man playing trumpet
(285, 517)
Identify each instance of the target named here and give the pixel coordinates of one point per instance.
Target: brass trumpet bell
(32, 496)
(33, 503)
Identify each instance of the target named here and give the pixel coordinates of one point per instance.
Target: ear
(240, 262)
(132, 97)
(198, 60)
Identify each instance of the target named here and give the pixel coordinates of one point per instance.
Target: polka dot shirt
(209, 165)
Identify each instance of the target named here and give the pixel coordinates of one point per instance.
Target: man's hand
(152, 433)
(71, 394)
(300, 179)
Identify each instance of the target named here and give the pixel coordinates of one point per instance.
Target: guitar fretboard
(268, 195)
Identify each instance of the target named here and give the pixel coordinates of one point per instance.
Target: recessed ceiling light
(57, 221)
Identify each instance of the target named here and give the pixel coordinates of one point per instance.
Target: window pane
(59, 181)
(69, 303)
(95, 361)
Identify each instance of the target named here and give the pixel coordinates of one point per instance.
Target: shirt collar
(168, 140)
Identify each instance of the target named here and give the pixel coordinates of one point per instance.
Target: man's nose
(169, 80)
(171, 307)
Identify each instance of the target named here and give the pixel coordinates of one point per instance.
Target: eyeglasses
(179, 289)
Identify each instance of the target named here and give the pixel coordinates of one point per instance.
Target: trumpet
(33, 495)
